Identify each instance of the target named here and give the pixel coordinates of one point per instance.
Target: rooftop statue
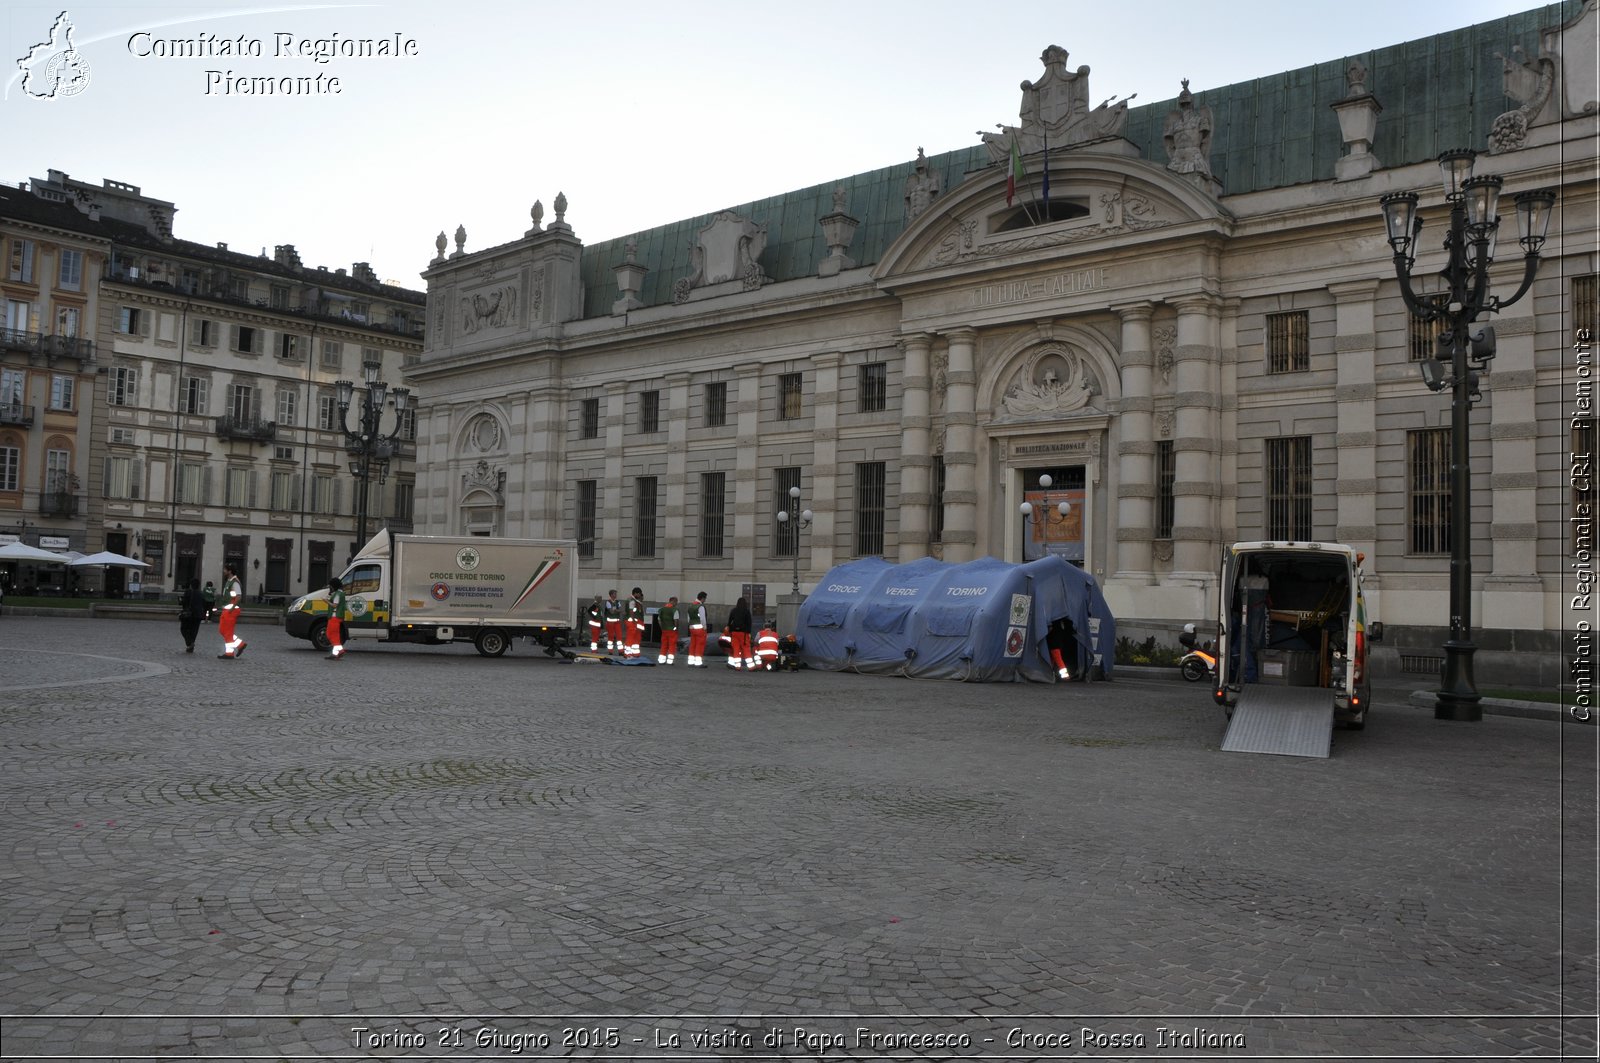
(1055, 112)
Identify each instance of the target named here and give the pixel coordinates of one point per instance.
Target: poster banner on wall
(1048, 532)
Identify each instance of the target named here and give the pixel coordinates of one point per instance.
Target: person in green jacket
(336, 610)
(667, 617)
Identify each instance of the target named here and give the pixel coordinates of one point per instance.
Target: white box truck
(452, 588)
(1292, 646)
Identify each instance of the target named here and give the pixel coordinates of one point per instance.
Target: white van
(1292, 645)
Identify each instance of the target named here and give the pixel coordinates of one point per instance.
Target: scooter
(1201, 660)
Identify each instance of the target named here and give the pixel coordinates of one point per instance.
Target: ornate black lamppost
(1043, 517)
(371, 448)
(1463, 297)
(801, 520)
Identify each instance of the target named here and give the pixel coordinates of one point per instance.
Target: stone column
(961, 450)
(540, 511)
(1195, 543)
(1136, 448)
(816, 542)
(916, 464)
(1512, 595)
(747, 471)
(615, 535)
(680, 534)
(1355, 501)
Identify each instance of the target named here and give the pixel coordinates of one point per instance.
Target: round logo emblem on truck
(440, 591)
(468, 558)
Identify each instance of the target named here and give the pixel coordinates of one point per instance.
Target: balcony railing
(58, 504)
(49, 346)
(16, 413)
(246, 428)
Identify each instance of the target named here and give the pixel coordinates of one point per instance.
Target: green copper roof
(1437, 93)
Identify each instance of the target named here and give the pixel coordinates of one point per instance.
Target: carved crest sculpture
(727, 249)
(1055, 112)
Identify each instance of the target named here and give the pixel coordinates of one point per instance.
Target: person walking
(633, 617)
(210, 596)
(336, 610)
(696, 657)
(595, 613)
(740, 655)
(191, 610)
(613, 612)
(667, 617)
(232, 595)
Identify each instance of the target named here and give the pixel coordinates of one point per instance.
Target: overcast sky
(642, 113)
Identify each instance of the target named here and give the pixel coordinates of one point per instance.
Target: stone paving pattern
(529, 858)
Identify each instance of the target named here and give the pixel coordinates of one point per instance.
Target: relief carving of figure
(491, 309)
(1055, 111)
(1187, 136)
(1057, 382)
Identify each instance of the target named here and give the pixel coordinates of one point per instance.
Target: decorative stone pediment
(727, 250)
(1055, 112)
(1055, 379)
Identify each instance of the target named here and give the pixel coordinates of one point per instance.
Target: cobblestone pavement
(524, 857)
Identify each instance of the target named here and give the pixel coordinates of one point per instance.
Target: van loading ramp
(1292, 721)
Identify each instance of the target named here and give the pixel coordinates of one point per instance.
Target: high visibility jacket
(767, 646)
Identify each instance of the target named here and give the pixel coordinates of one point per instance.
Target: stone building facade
(1184, 315)
(200, 423)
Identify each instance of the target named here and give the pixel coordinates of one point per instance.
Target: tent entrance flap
(1292, 721)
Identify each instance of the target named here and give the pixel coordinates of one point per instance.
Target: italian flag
(1016, 172)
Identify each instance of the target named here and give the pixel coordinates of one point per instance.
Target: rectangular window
(288, 347)
(323, 498)
(194, 395)
(785, 534)
(332, 355)
(191, 484)
(246, 340)
(68, 321)
(1288, 489)
(12, 387)
(1423, 338)
(241, 288)
(1166, 477)
(10, 468)
(131, 321)
(937, 532)
(280, 297)
(283, 492)
(61, 387)
(408, 424)
(650, 411)
(122, 386)
(588, 502)
(71, 274)
(328, 413)
(871, 488)
(242, 402)
(789, 392)
(1289, 342)
(716, 404)
(644, 517)
(288, 408)
(874, 387)
(21, 260)
(203, 333)
(190, 281)
(589, 419)
(58, 471)
(713, 512)
(405, 495)
(120, 480)
(241, 493)
(1586, 304)
(1428, 490)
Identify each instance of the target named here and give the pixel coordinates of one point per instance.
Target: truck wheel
(492, 642)
(319, 636)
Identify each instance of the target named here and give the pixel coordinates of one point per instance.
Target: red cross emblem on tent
(1014, 642)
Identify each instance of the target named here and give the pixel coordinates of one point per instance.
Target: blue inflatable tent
(982, 621)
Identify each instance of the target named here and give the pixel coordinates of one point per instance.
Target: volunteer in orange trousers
(231, 595)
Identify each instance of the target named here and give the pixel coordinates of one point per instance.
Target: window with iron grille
(937, 534)
(588, 502)
(644, 517)
(713, 512)
(1289, 342)
(874, 387)
(1166, 476)
(1288, 489)
(650, 411)
(785, 535)
(716, 404)
(789, 392)
(589, 419)
(1424, 338)
(870, 498)
(1428, 490)
(1582, 515)
(1586, 304)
